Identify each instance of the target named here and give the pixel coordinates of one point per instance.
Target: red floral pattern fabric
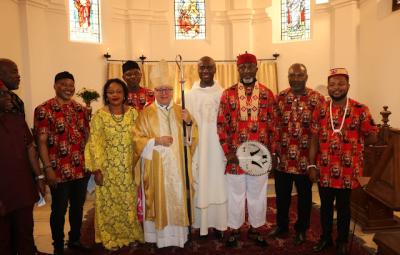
(140, 98)
(233, 131)
(340, 155)
(66, 126)
(294, 124)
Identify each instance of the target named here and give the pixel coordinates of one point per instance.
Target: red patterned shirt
(140, 98)
(294, 124)
(233, 131)
(340, 155)
(66, 126)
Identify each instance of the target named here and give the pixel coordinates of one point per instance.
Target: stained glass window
(295, 20)
(190, 19)
(84, 21)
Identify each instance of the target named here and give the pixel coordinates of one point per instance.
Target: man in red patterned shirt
(138, 97)
(295, 110)
(341, 128)
(247, 112)
(61, 126)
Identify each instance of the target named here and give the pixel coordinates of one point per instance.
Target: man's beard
(247, 81)
(338, 98)
(297, 86)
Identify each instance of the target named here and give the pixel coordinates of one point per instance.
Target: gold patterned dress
(110, 149)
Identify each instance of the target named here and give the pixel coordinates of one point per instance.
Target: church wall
(379, 55)
(38, 42)
(41, 47)
(314, 53)
(10, 43)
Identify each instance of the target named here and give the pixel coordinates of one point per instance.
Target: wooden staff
(179, 63)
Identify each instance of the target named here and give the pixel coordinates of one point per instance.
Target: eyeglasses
(166, 90)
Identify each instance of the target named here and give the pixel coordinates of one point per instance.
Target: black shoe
(232, 241)
(58, 251)
(299, 238)
(256, 237)
(203, 237)
(341, 249)
(77, 245)
(219, 235)
(322, 245)
(277, 232)
(260, 241)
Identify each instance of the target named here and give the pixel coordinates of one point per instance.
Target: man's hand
(232, 158)
(186, 116)
(98, 178)
(164, 141)
(41, 185)
(275, 161)
(313, 174)
(51, 177)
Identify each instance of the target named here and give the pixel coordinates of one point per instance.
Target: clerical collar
(164, 107)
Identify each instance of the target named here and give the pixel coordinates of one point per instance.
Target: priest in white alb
(209, 160)
(159, 151)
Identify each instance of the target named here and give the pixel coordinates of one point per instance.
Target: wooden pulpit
(373, 205)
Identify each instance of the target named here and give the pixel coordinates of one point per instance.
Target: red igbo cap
(246, 58)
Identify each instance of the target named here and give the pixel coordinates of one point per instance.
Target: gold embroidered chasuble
(147, 126)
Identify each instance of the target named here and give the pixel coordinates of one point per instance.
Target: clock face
(254, 158)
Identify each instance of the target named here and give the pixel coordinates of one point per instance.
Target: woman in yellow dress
(108, 156)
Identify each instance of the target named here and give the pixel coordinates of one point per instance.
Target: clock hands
(256, 163)
(254, 152)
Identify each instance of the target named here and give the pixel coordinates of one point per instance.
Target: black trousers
(16, 232)
(342, 196)
(74, 193)
(283, 189)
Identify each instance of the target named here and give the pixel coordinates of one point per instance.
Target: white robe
(171, 235)
(209, 160)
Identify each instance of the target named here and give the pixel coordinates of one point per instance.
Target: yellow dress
(110, 149)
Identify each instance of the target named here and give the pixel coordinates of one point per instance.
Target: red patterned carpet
(210, 245)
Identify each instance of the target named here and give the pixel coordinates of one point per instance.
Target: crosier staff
(179, 63)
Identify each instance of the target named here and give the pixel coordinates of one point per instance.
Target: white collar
(164, 107)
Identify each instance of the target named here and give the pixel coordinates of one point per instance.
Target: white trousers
(252, 188)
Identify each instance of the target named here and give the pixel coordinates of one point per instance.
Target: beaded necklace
(117, 118)
(338, 130)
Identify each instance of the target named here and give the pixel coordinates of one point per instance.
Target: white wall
(379, 55)
(10, 42)
(37, 33)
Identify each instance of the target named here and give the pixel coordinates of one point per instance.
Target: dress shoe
(58, 251)
(299, 238)
(341, 249)
(232, 241)
(256, 237)
(277, 232)
(77, 245)
(322, 245)
(219, 235)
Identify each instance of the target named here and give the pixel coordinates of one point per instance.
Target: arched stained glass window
(190, 20)
(84, 21)
(295, 20)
